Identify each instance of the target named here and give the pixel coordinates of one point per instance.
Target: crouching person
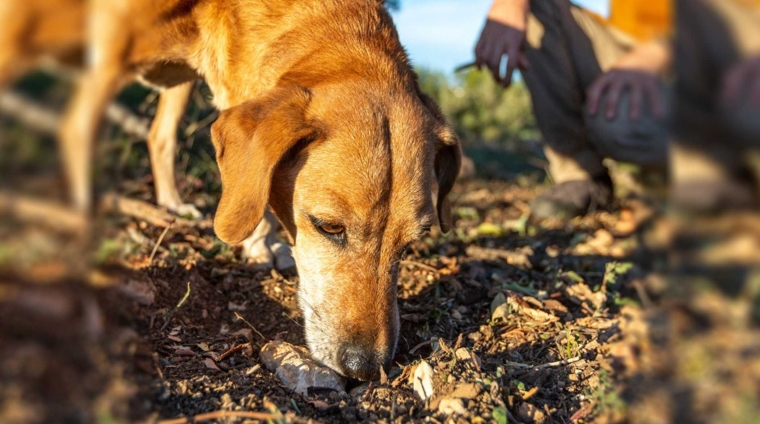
(717, 119)
(597, 89)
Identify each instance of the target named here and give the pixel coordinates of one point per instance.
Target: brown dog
(52, 33)
(322, 119)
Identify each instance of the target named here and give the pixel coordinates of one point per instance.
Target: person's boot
(572, 198)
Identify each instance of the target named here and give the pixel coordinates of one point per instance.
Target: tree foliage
(480, 110)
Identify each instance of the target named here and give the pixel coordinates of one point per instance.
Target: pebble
(531, 414)
(452, 406)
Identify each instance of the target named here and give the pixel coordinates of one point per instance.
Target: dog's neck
(248, 47)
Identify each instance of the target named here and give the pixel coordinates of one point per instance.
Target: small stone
(422, 380)
(466, 391)
(236, 307)
(142, 292)
(296, 369)
(451, 406)
(531, 414)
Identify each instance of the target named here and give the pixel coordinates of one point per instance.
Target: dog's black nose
(358, 362)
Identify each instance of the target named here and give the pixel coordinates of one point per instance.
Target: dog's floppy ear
(250, 140)
(448, 161)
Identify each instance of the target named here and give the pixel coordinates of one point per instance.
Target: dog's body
(54, 33)
(322, 119)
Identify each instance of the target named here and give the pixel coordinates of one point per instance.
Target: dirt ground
(518, 322)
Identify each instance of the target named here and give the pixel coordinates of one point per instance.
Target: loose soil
(520, 322)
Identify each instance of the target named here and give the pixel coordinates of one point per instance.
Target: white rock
(296, 369)
(451, 406)
(423, 380)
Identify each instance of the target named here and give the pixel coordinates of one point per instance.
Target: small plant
(107, 250)
(500, 415)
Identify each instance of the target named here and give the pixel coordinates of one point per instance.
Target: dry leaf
(581, 292)
(514, 304)
(210, 364)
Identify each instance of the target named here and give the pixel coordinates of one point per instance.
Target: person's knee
(743, 124)
(642, 142)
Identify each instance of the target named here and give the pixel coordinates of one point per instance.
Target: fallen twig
(541, 366)
(416, 348)
(47, 120)
(250, 325)
(158, 243)
(581, 413)
(229, 352)
(43, 212)
(216, 415)
(529, 394)
(142, 210)
(168, 316)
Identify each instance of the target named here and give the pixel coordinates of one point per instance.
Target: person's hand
(504, 33)
(740, 79)
(638, 72)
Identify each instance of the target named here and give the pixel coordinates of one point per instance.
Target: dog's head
(353, 183)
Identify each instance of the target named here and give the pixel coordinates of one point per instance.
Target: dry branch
(145, 211)
(546, 365)
(60, 217)
(47, 120)
(47, 213)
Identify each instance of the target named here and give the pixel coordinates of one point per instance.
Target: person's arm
(504, 33)
(638, 71)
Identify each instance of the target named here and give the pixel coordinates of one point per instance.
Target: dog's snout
(359, 362)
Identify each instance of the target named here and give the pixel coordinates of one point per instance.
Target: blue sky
(441, 34)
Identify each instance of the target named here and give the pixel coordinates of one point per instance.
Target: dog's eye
(335, 232)
(331, 229)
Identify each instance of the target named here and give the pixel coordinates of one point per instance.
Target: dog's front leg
(95, 90)
(107, 44)
(162, 145)
(264, 249)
